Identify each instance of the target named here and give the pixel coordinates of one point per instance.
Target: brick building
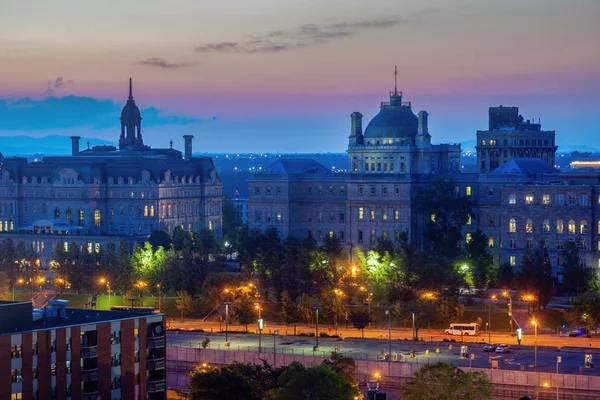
(63, 353)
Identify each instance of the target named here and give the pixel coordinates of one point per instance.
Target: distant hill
(49, 145)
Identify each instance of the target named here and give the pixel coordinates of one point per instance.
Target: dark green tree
(231, 216)
(160, 239)
(585, 311)
(360, 318)
(442, 381)
(576, 278)
(291, 314)
(480, 261)
(536, 275)
(506, 275)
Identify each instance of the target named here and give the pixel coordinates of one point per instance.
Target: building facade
(63, 353)
(104, 194)
(519, 199)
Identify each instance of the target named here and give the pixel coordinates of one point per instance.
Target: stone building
(104, 194)
(511, 136)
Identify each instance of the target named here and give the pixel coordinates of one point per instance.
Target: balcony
(90, 395)
(155, 342)
(89, 351)
(89, 375)
(156, 386)
(156, 364)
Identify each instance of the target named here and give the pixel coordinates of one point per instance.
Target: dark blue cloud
(25, 114)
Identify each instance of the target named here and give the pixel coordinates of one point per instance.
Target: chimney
(356, 128)
(75, 145)
(423, 128)
(188, 146)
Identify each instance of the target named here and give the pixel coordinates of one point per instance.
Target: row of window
(7, 226)
(560, 199)
(385, 215)
(560, 244)
(520, 142)
(373, 236)
(560, 226)
(559, 261)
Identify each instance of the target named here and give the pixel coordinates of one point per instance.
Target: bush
(310, 334)
(205, 343)
(327, 335)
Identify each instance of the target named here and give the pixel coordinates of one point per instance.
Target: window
(56, 213)
(583, 244)
(360, 190)
(372, 189)
(529, 226)
(546, 226)
(469, 219)
(342, 218)
(560, 199)
(397, 191)
(268, 216)
(97, 219)
(512, 243)
(560, 227)
(512, 225)
(491, 220)
(583, 200)
(257, 190)
(360, 236)
(81, 217)
(529, 244)
(468, 238)
(572, 228)
(571, 199)
(397, 216)
(384, 190)
(513, 261)
(278, 216)
(468, 190)
(66, 247)
(372, 214)
(278, 190)
(309, 190)
(152, 211)
(490, 241)
(483, 142)
(361, 213)
(257, 216)
(16, 351)
(546, 199)
(384, 215)
(432, 217)
(583, 228)
(529, 199)
(512, 198)
(384, 235)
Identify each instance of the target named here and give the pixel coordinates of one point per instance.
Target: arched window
(56, 213)
(97, 219)
(583, 227)
(529, 226)
(546, 226)
(560, 228)
(512, 226)
(81, 217)
(68, 214)
(599, 227)
(572, 228)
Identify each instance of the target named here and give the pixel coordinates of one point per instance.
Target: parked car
(503, 348)
(490, 347)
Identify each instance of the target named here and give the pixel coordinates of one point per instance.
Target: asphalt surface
(519, 358)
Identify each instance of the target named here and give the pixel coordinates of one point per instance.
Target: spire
(395, 80)
(130, 90)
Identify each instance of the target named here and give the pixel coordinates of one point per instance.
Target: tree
(244, 310)
(585, 311)
(576, 278)
(429, 308)
(160, 239)
(536, 275)
(208, 383)
(184, 303)
(290, 312)
(505, 276)
(442, 381)
(345, 366)
(182, 239)
(231, 216)
(446, 212)
(481, 262)
(360, 318)
(297, 382)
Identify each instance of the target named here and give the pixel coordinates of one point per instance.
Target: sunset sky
(284, 76)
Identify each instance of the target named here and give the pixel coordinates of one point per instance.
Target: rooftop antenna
(130, 90)
(171, 143)
(396, 79)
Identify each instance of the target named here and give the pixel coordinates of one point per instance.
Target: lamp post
(558, 360)
(535, 324)
(259, 325)
(158, 287)
(507, 294)
(490, 320)
(227, 304)
(389, 314)
(13, 288)
(316, 348)
(414, 334)
(275, 333)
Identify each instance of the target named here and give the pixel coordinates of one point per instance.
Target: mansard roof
(291, 166)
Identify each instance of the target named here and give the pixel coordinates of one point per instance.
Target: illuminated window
(512, 225)
(469, 219)
(490, 241)
(69, 214)
(278, 217)
(152, 211)
(372, 215)
(546, 226)
(66, 247)
(81, 217)
(546, 199)
(361, 213)
(529, 199)
(97, 219)
(432, 217)
(97, 247)
(512, 199)
(210, 225)
(483, 142)
(513, 261)
(468, 238)
(145, 211)
(572, 228)
(583, 227)
(89, 248)
(331, 233)
(529, 226)
(397, 217)
(385, 215)
(468, 190)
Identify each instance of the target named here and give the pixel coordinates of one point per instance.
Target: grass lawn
(550, 319)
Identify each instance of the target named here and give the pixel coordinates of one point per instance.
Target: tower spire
(396, 79)
(130, 90)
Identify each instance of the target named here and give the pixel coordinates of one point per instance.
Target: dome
(130, 112)
(395, 120)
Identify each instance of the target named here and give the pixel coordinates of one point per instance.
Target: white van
(462, 329)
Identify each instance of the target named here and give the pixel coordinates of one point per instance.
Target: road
(428, 335)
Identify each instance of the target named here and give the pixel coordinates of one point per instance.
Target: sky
(284, 76)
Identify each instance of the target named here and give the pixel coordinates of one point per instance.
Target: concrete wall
(507, 383)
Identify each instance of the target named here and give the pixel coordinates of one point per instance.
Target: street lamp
(259, 325)
(158, 287)
(389, 314)
(316, 348)
(103, 281)
(13, 288)
(490, 320)
(339, 294)
(275, 333)
(507, 294)
(535, 324)
(558, 360)
(227, 304)
(414, 353)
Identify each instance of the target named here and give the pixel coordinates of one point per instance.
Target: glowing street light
(259, 324)
(535, 324)
(507, 294)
